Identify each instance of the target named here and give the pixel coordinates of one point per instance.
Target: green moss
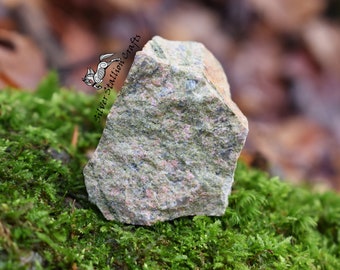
(46, 221)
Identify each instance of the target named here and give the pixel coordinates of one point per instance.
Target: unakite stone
(171, 141)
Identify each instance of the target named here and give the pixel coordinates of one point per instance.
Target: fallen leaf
(16, 61)
(288, 15)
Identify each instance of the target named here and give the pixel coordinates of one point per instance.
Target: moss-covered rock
(46, 221)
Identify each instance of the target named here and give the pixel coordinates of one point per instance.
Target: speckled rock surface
(171, 141)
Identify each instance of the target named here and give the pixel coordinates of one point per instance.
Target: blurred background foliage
(281, 58)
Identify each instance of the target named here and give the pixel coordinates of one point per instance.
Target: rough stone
(171, 141)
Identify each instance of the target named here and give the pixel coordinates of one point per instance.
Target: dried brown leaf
(23, 65)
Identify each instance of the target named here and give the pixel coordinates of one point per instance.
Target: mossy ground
(46, 221)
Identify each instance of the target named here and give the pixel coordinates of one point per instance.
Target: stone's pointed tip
(171, 141)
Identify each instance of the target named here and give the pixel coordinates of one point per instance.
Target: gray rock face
(171, 141)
